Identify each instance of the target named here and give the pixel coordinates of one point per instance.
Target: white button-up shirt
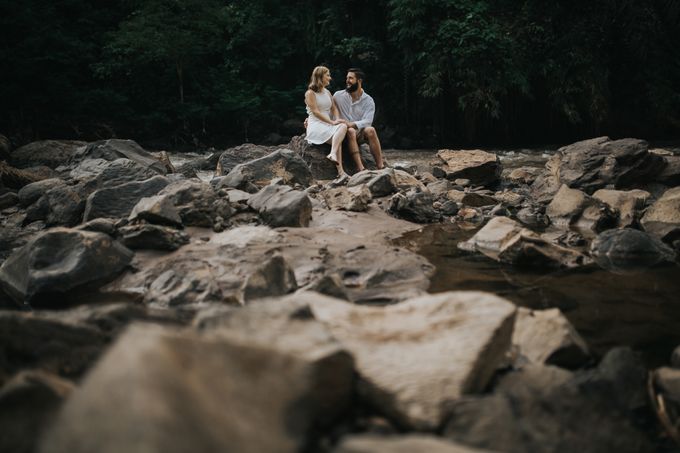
(360, 112)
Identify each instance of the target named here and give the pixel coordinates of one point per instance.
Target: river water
(638, 309)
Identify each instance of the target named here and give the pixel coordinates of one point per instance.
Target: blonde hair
(316, 79)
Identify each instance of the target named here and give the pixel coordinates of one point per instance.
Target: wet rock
(662, 219)
(230, 158)
(627, 249)
(549, 411)
(547, 337)
(51, 153)
(282, 206)
(158, 210)
(480, 167)
(118, 201)
(504, 240)
(596, 163)
(61, 260)
(284, 164)
(415, 206)
(30, 193)
(401, 444)
(28, 403)
(571, 207)
(152, 237)
(411, 362)
(114, 149)
(348, 198)
(379, 182)
(196, 202)
(8, 199)
(629, 204)
(31, 341)
(523, 175)
(207, 395)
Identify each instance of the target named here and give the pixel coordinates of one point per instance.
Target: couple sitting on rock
(347, 115)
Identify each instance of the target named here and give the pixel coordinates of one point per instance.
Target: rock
(629, 204)
(15, 178)
(100, 225)
(120, 200)
(547, 337)
(64, 207)
(508, 198)
(401, 444)
(152, 237)
(314, 157)
(439, 188)
(196, 202)
(504, 240)
(158, 210)
(32, 341)
(237, 155)
(523, 175)
(406, 181)
(28, 403)
(596, 163)
(670, 175)
(455, 195)
(549, 411)
(5, 147)
(571, 207)
(121, 171)
(379, 182)
(256, 173)
(449, 208)
(61, 260)
(627, 249)
(165, 390)
(282, 206)
(51, 153)
(114, 149)
(533, 216)
(662, 219)
(348, 198)
(411, 362)
(480, 167)
(471, 214)
(477, 200)
(415, 206)
(30, 193)
(8, 200)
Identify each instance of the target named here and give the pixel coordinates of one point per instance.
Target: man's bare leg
(353, 146)
(374, 145)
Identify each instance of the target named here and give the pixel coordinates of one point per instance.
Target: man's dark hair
(358, 73)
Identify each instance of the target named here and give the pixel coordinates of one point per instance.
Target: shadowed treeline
(442, 72)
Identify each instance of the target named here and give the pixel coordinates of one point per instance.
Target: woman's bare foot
(332, 158)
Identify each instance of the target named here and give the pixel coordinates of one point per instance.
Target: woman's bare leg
(336, 147)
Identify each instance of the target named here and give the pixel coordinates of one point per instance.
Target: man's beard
(352, 88)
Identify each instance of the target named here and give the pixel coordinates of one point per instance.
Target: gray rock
(379, 182)
(477, 200)
(101, 225)
(64, 207)
(114, 149)
(480, 167)
(523, 175)
(121, 171)
(152, 237)
(51, 153)
(284, 164)
(571, 207)
(230, 158)
(120, 200)
(629, 204)
(8, 200)
(348, 198)
(670, 175)
(174, 391)
(411, 362)
(158, 209)
(662, 219)
(30, 193)
(627, 249)
(439, 188)
(197, 203)
(61, 260)
(282, 206)
(314, 157)
(415, 206)
(28, 403)
(401, 444)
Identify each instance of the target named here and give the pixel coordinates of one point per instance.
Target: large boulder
(114, 149)
(280, 205)
(629, 204)
(348, 198)
(237, 155)
(159, 389)
(315, 158)
(61, 260)
(572, 207)
(596, 163)
(51, 153)
(662, 219)
(120, 200)
(627, 249)
(196, 202)
(379, 182)
(158, 209)
(30, 193)
(505, 240)
(416, 357)
(284, 164)
(64, 207)
(480, 167)
(402, 444)
(121, 171)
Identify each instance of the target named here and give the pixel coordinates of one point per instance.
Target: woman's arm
(336, 112)
(310, 100)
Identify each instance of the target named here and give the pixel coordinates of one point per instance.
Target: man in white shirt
(358, 108)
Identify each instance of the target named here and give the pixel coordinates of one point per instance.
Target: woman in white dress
(323, 123)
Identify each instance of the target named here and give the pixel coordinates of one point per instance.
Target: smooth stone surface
(479, 167)
(662, 219)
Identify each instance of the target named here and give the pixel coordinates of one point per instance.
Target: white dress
(319, 131)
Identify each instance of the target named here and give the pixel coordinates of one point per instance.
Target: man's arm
(367, 116)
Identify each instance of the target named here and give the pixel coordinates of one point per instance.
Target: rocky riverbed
(244, 300)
